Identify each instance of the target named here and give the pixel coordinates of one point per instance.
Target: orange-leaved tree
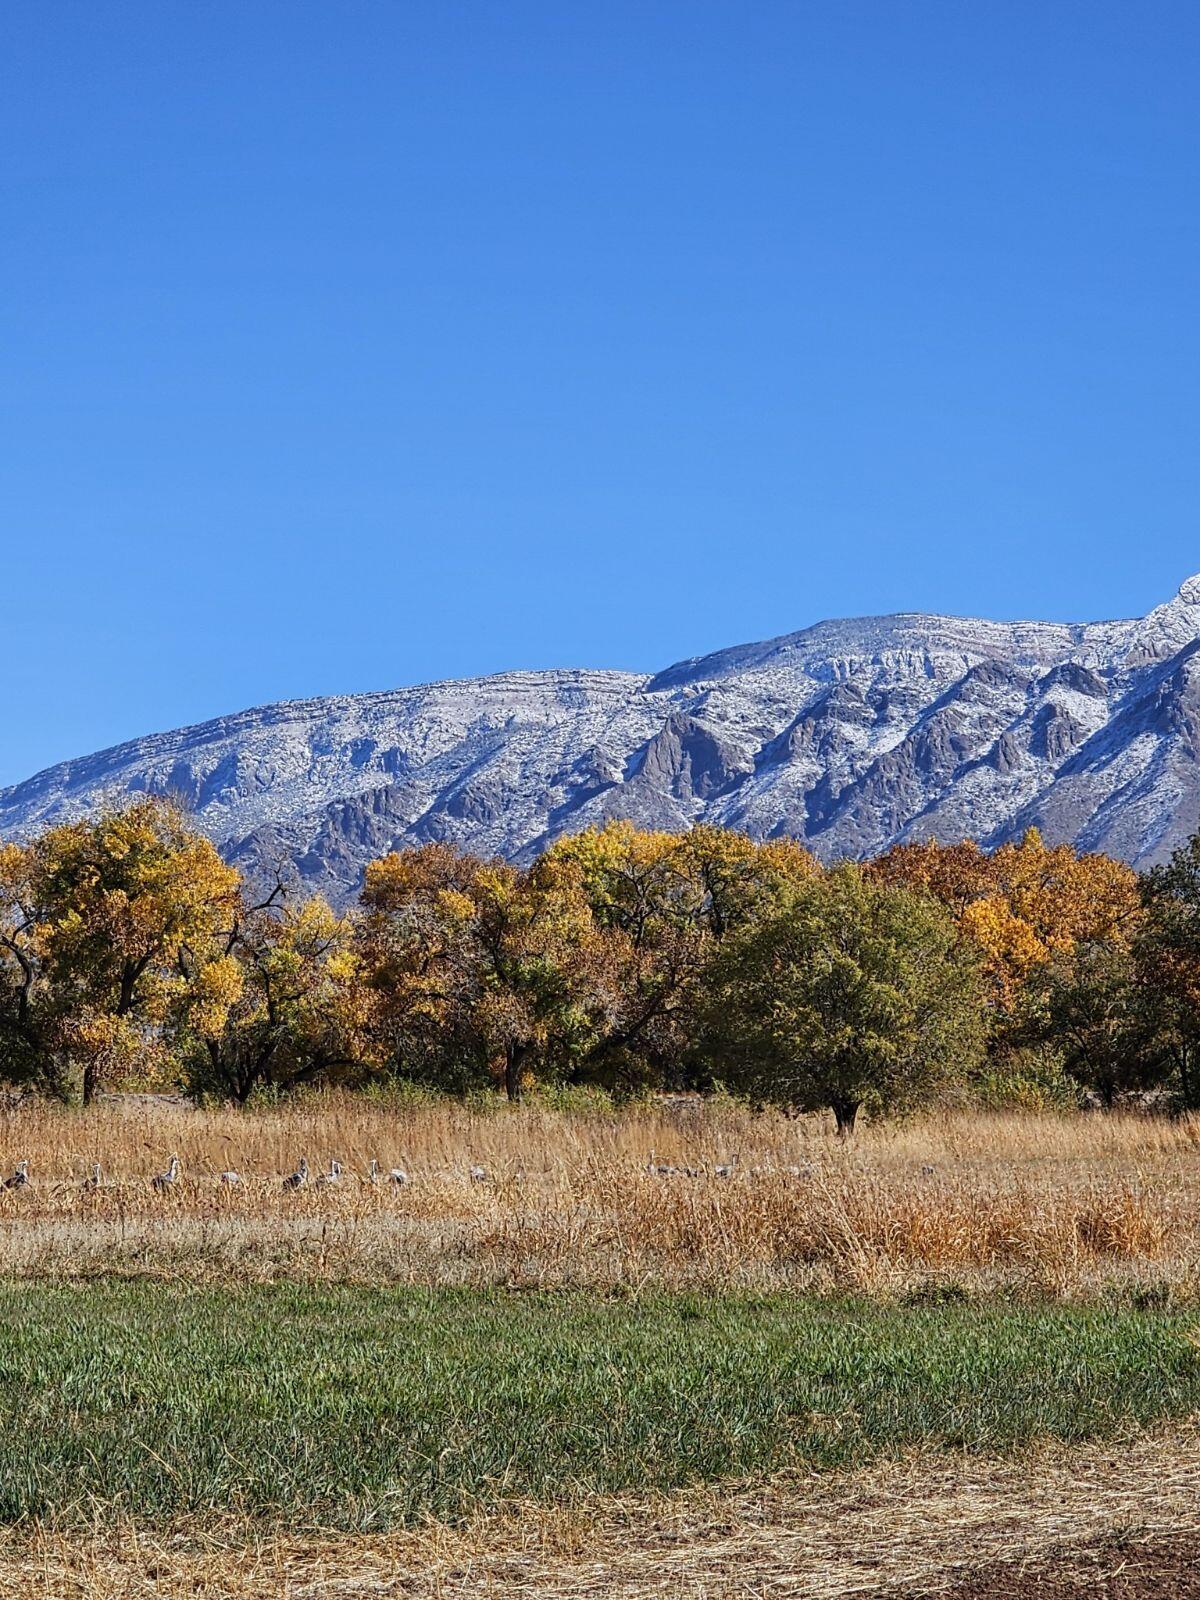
(1023, 904)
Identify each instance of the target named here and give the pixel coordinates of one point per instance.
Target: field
(1076, 1208)
(369, 1408)
(580, 1374)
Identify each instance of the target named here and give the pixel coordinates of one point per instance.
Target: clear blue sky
(355, 343)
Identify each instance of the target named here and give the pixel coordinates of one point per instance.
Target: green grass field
(364, 1408)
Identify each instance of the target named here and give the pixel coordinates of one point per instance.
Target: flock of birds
(396, 1176)
(725, 1169)
(169, 1177)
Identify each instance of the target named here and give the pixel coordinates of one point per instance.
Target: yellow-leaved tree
(663, 903)
(112, 903)
(23, 989)
(274, 1001)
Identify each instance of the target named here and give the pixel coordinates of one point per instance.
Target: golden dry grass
(1058, 1206)
(900, 1529)
(1047, 1205)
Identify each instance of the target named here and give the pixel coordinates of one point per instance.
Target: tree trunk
(91, 1082)
(845, 1113)
(514, 1057)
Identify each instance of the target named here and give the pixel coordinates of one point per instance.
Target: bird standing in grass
(299, 1178)
(94, 1181)
(479, 1175)
(231, 1178)
(334, 1175)
(396, 1175)
(19, 1178)
(165, 1180)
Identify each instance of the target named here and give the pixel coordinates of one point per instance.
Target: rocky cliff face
(848, 735)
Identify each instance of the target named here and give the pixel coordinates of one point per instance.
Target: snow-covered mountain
(848, 735)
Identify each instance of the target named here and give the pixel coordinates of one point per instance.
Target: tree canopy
(853, 992)
(622, 957)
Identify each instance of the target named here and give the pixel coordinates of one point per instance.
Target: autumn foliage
(621, 957)
(1024, 904)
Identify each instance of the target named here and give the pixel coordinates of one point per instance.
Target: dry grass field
(1047, 1206)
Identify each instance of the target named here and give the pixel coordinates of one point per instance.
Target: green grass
(362, 1408)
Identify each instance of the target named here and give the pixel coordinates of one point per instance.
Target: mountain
(848, 735)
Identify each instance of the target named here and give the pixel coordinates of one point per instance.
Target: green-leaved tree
(856, 993)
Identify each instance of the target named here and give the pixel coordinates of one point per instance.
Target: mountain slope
(848, 735)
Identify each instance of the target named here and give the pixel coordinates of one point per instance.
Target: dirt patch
(1127, 1571)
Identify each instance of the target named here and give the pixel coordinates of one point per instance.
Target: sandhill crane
(19, 1178)
(479, 1175)
(334, 1175)
(231, 1178)
(299, 1178)
(94, 1181)
(656, 1169)
(164, 1180)
(726, 1169)
(395, 1175)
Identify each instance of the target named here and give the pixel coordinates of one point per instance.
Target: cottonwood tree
(98, 912)
(481, 966)
(24, 1014)
(1022, 905)
(275, 1001)
(1103, 1019)
(1169, 954)
(662, 903)
(856, 992)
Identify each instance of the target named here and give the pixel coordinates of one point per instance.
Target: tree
(662, 903)
(23, 989)
(274, 1002)
(1169, 954)
(480, 964)
(855, 992)
(651, 946)
(1099, 1012)
(956, 874)
(1022, 905)
(97, 913)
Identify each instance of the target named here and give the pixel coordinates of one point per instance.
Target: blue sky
(350, 345)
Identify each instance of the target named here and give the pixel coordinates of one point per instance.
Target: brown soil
(1127, 1571)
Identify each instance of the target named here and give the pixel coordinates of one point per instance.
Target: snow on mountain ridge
(849, 735)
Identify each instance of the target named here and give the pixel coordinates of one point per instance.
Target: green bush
(1027, 1079)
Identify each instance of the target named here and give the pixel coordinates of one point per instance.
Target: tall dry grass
(1061, 1206)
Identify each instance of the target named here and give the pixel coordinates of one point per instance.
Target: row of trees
(621, 958)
